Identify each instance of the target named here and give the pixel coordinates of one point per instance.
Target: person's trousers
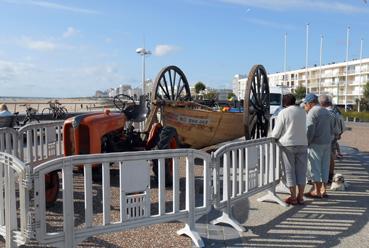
(318, 162)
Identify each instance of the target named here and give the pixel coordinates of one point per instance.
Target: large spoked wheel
(168, 139)
(171, 84)
(256, 104)
(51, 188)
(121, 101)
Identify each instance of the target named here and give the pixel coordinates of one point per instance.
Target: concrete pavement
(341, 220)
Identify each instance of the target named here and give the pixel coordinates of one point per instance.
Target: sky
(71, 48)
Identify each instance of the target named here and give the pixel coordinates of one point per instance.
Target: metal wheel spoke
(180, 91)
(178, 88)
(175, 88)
(258, 82)
(165, 92)
(166, 87)
(171, 82)
(253, 89)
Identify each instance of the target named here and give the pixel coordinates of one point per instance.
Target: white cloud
(27, 79)
(71, 31)
(10, 71)
(162, 50)
(319, 5)
(51, 5)
(38, 45)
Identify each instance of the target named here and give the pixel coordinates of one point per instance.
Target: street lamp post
(143, 52)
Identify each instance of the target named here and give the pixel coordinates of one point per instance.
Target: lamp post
(143, 52)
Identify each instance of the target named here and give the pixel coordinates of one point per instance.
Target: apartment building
(327, 79)
(344, 85)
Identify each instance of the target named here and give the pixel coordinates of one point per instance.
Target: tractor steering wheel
(123, 101)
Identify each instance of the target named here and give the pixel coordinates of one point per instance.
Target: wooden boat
(200, 126)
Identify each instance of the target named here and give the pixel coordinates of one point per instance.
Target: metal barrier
(33, 143)
(235, 171)
(14, 185)
(135, 205)
(9, 141)
(41, 141)
(244, 169)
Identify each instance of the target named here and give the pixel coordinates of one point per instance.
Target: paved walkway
(338, 221)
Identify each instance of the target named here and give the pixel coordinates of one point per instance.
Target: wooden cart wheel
(171, 84)
(256, 104)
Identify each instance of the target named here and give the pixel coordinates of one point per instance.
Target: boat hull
(199, 128)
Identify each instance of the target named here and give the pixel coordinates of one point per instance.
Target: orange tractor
(183, 122)
(114, 132)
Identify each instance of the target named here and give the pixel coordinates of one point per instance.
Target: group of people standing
(308, 137)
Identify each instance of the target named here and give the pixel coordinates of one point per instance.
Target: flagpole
(347, 54)
(320, 62)
(285, 59)
(361, 74)
(306, 57)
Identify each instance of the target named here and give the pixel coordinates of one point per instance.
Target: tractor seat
(137, 113)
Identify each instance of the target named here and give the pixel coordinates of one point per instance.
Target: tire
(168, 139)
(63, 113)
(51, 188)
(46, 111)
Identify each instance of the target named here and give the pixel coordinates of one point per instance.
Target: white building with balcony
(330, 79)
(345, 86)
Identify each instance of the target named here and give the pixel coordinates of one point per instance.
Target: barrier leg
(282, 188)
(195, 236)
(272, 197)
(226, 219)
(189, 228)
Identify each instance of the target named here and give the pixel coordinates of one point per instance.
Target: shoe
(291, 201)
(339, 156)
(300, 201)
(325, 195)
(311, 195)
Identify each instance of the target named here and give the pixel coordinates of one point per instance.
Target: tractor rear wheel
(51, 188)
(168, 139)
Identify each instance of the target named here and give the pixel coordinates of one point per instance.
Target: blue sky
(73, 48)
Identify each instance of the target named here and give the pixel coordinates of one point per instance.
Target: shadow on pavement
(322, 222)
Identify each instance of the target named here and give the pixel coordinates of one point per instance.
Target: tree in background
(300, 92)
(364, 102)
(366, 91)
(211, 96)
(199, 86)
(230, 95)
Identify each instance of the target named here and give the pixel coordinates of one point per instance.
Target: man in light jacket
(290, 130)
(320, 130)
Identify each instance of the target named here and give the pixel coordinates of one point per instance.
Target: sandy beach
(83, 104)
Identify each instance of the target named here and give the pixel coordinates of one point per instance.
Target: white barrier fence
(233, 172)
(247, 168)
(33, 143)
(14, 204)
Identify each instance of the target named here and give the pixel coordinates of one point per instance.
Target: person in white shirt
(4, 111)
(290, 131)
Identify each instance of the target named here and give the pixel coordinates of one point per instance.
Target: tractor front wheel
(168, 139)
(51, 188)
